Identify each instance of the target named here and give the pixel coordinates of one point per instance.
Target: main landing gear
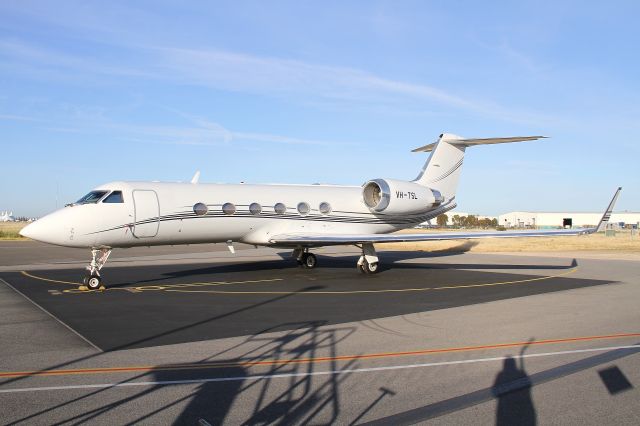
(368, 261)
(98, 258)
(304, 258)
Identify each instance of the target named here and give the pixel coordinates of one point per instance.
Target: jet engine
(391, 196)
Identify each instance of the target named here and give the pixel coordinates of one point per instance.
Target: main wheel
(368, 268)
(93, 282)
(309, 260)
(372, 268)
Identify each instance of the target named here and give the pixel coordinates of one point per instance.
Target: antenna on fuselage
(196, 177)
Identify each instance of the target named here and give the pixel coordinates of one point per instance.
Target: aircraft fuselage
(155, 213)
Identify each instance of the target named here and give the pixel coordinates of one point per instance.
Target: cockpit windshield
(114, 197)
(92, 197)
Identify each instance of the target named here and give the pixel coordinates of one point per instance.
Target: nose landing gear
(99, 257)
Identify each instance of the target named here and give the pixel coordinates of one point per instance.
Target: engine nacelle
(399, 197)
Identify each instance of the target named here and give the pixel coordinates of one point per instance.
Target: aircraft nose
(46, 229)
(36, 230)
(26, 231)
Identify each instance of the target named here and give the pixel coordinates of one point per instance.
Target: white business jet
(300, 217)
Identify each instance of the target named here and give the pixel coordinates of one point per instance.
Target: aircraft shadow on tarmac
(346, 261)
(390, 261)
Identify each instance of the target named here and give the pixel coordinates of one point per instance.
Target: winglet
(607, 214)
(196, 177)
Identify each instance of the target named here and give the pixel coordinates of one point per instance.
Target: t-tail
(442, 170)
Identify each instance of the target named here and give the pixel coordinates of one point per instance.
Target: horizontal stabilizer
(472, 142)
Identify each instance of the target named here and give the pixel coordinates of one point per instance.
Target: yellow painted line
(304, 292)
(528, 280)
(155, 287)
(271, 362)
(181, 287)
(26, 274)
(169, 287)
(405, 290)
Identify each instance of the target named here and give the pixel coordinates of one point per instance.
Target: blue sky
(335, 92)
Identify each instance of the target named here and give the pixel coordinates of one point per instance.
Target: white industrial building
(564, 219)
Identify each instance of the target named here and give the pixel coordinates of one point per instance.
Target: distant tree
(472, 221)
(483, 222)
(456, 220)
(442, 220)
(494, 223)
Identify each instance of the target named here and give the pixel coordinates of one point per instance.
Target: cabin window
(303, 208)
(325, 208)
(228, 208)
(92, 197)
(280, 208)
(200, 209)
(114, 197)
(255, 208)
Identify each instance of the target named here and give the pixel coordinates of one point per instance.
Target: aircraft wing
(345, 239)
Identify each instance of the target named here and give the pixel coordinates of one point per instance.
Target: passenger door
(146, 208)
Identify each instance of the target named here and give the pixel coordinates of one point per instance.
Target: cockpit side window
(114, 197)
(92, 197)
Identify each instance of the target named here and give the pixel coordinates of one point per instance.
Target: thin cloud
(237, 71)
(30, 58)
(246, 73)
(11, 117)
(202, 132)
(242, 72)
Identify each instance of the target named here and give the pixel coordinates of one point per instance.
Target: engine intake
(399, 197)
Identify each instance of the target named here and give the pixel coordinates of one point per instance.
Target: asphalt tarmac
(433, 338)
(164, 305)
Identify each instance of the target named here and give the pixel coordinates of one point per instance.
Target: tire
(369, 268)
(309, 260)
(372, 268)
(93, 282)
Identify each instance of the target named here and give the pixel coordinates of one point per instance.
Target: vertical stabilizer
(442, 170)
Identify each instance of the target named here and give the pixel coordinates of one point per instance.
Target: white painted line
(314, 373)
(52, 316)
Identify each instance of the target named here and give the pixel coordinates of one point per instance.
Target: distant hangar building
(564, 219)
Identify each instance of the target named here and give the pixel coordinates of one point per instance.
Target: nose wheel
(93, 280)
